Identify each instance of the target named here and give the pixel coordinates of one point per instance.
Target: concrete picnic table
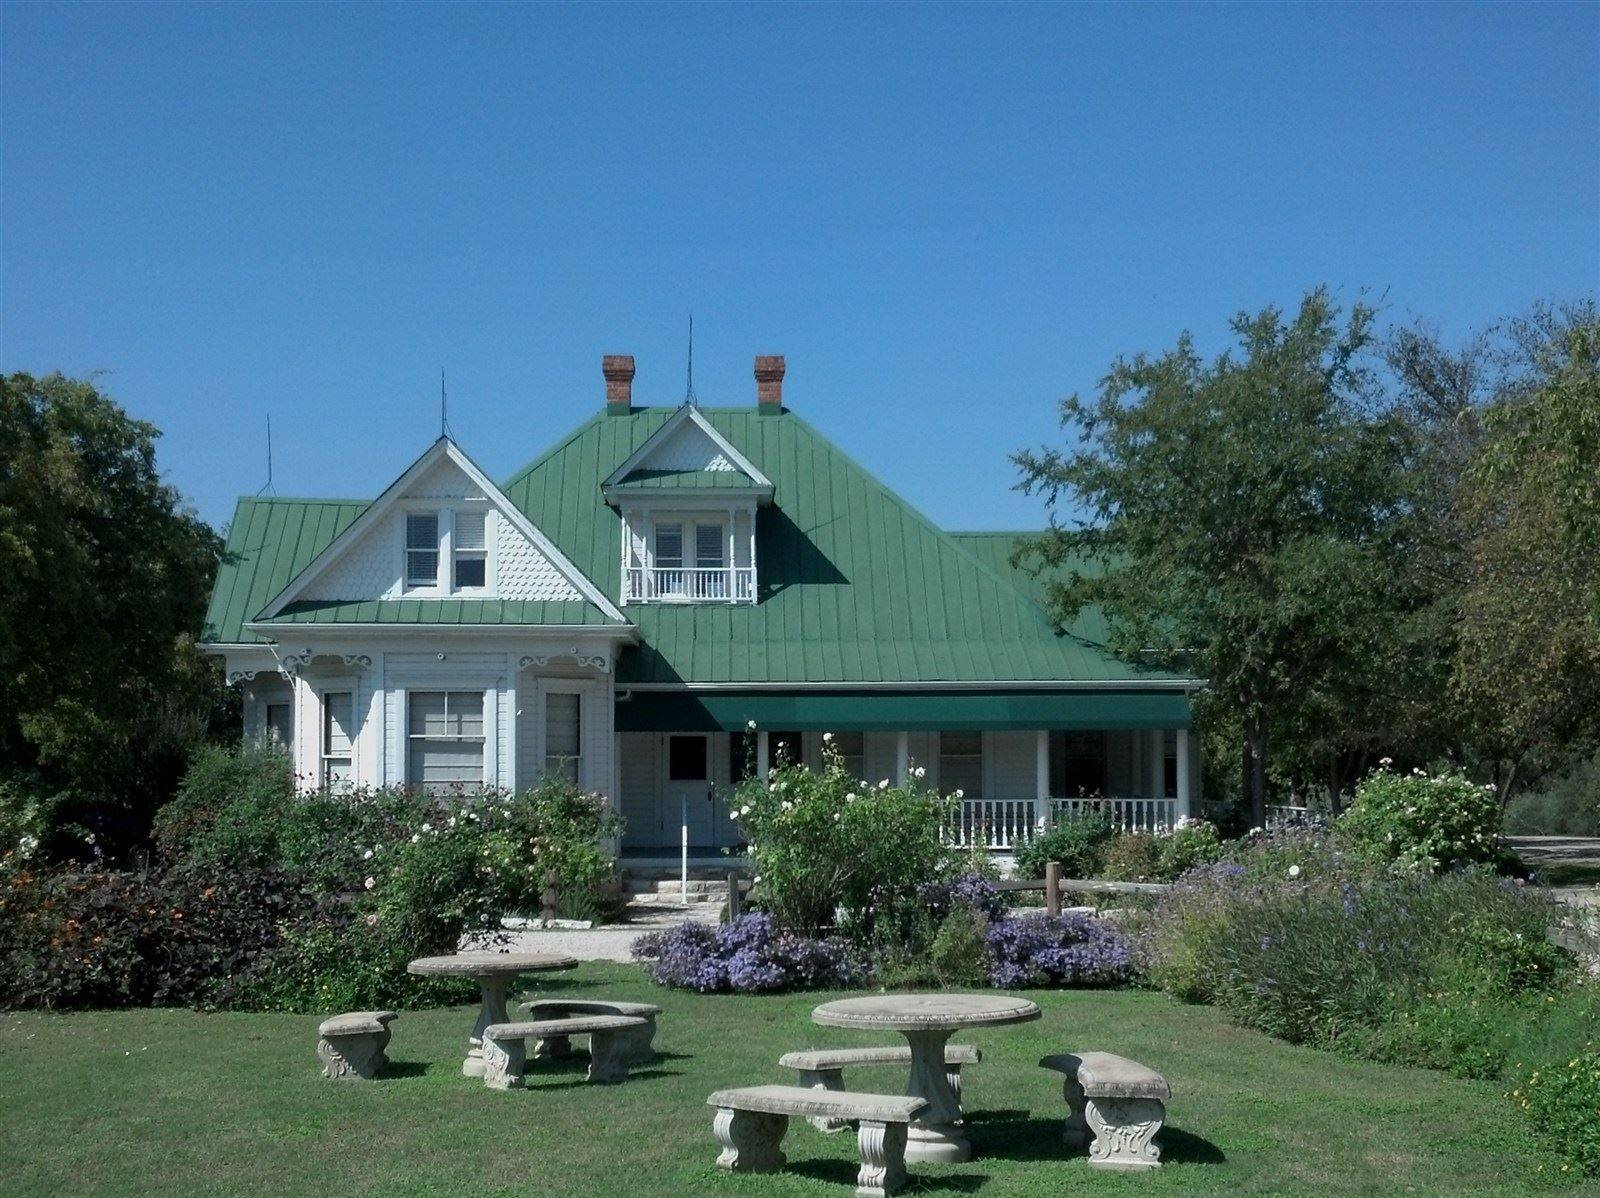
(494, 972)
(927, 1021)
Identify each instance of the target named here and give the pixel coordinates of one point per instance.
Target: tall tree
(1248, 516)
(1527, 665)
(103, 581)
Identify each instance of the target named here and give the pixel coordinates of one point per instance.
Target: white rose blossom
(370, 883)
(827, 738)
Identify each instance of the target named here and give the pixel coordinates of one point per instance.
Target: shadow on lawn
(1013, 1136)
(398, 1069)
(844, 1173)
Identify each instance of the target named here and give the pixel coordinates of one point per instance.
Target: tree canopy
(1250, 516)
(104, 575)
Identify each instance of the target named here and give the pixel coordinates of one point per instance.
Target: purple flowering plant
(751, 955)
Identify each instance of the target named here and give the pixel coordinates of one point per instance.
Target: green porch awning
(893, 711)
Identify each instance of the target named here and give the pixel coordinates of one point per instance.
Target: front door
(687, 796)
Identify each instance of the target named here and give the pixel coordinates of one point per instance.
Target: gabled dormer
(688, 501)
(442, 530)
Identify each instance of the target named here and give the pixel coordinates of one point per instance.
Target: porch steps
(654, 885)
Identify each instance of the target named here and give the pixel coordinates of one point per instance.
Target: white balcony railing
(1006, 824)
(690, 584)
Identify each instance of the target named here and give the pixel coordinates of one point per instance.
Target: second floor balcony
(689, 584)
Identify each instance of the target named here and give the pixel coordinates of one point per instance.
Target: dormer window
(422, 549)
(471, 552)
(669, 547)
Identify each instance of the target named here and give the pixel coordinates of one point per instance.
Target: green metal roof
(443, 611)
(994, 549)
(695, 480)
(269, 542)
(855, 585)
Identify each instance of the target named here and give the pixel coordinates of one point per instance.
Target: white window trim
(321, 691)
(444, 580)
(562, 686)
(489, 538)
(441, 563)
(491, 724)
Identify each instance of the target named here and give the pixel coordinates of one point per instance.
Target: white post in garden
(1185, 796)
(1041, 781)
(902, 758)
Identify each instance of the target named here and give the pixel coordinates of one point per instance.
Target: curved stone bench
(639, 1045)
(1122, 1102)
(750, 1124)
(505, 1047)
(823, 1069)
(352, 1045)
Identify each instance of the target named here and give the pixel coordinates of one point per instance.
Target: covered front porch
(681, 754)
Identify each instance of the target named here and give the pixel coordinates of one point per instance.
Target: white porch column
(902, 758)
(1156, 785)
(1185, 796)
(761, 755)
(1041, 780)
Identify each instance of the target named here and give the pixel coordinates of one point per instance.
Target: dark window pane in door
(686, 758)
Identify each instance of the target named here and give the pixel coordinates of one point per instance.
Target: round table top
(485, 963)
(925, 1012)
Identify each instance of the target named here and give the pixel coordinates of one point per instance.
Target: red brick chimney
(618, 369)
(769, 384)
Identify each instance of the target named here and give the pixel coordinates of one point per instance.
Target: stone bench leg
(752, 1141)
(883, 1159)
(639, 1043)
(550, 1048)
(357, 1056)
(1124, 1132)
(608, 1059)
(1076, 1132)
(383, 1046)
(503, 1063)
(824, 1079)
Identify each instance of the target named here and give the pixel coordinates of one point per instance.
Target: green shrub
(959, 953)
(1424, 821)
(1075, 844)
(825, 842)
(1562, 1100)
(230, 809)
(1132, 857)
(1193, 843)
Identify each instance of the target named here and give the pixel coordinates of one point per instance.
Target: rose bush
(831, 850)
(1425, 821)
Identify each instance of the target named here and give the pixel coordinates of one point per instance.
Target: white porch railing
(1282, 815)
(690, 584)
(991, 823)
(1006, 824)
(1131, 815)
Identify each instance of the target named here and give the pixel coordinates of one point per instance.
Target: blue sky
(946, 217)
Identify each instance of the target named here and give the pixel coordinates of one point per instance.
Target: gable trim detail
(443, 448)
(687, 414)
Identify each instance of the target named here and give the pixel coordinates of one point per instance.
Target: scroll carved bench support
(353, 1045)
(823, 1069)
(1120, 1103)
(750, 1124)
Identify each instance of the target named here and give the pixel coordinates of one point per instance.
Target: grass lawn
(176, 1103)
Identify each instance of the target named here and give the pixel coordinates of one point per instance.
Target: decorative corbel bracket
(357, 659)
(591, 661)
(295, 662)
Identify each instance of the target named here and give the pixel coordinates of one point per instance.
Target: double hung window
(471, 551)
(422, 549)
(446, 739)
(338, 739)
(563, 736)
